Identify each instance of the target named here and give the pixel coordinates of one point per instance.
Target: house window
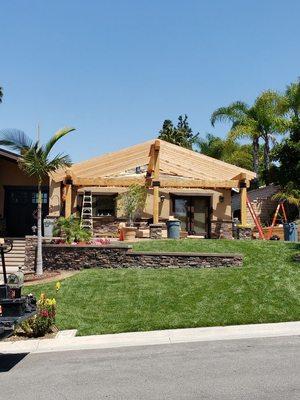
(104, 206)
(18, 197)
(35, 196)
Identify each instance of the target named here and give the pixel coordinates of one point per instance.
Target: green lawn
(266, 289)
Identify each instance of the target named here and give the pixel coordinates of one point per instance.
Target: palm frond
(248, 128)
(31, 163)
(292, 99)
(15, 139)
(59, 134)
(59, 161)
(232, 113)
(1, 94)
(290, 193)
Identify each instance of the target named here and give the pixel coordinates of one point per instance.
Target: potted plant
(132, 203)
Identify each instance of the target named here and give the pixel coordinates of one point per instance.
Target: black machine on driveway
(14, 308)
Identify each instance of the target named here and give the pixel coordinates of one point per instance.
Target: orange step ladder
(255, 219)
(279, 206)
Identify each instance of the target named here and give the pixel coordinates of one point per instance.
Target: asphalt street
(266, 368)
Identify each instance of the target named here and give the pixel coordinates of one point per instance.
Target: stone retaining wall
(121, 256)
(30, 252)
(221, 229)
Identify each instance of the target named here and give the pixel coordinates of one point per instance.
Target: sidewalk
(169, 336)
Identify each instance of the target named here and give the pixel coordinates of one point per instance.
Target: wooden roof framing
(178, 167)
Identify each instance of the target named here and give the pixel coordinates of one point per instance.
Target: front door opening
(193, 212)
(20, 209)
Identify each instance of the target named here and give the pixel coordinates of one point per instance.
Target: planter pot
(129, 233)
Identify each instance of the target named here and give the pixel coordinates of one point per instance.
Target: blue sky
(116, 69)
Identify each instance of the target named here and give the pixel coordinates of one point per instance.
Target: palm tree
(1, 94)
(290, 107)
(35, 161)
(290, 194)
(242, 118)
(261, 121)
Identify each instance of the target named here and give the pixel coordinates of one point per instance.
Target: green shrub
(71, 231)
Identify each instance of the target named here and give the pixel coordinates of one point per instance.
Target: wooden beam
(243, 201)
(242, 177)
(165, 182)
(115, 181)
(197, 183)
(151, 160)
(156, 178)
(68, 202)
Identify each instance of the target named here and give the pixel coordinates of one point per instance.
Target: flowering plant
(42, 322)
(101, 241)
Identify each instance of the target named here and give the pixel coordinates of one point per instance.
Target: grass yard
(266, 289)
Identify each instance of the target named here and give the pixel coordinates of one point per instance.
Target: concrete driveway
(266, 368)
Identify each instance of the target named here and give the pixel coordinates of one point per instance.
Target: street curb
(168, 336)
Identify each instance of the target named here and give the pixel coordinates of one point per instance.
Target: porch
(180, 183)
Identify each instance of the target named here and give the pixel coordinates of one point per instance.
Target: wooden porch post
(155, 182)
(68, 204)
(243, 201)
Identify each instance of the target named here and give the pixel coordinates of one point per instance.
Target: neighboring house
(262, 203)
(182, 183)
(18, 197)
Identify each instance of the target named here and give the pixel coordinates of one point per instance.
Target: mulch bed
(21, 335)
(48, 276)
(31, 277)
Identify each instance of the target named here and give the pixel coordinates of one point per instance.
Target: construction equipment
(275, 218)
(86, 221)
(255, 219)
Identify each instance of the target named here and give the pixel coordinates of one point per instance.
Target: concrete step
(14, 260)
(16, 253)
(13, 263)
(10, 270)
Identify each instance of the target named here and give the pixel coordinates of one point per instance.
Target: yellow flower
(42, 297)
(57, 286)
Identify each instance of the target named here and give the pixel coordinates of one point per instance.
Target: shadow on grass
(9, 361)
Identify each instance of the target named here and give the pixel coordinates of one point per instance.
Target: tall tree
(287, 153)
(243, 124)
(182, 134)
(35, 161)
(227, 150)
(261, 121)
(1, 94)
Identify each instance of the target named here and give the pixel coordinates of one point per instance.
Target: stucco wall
(54, 198)
(11, 175)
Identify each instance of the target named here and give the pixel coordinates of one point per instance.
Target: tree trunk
(39, 256)
(267, 158)
(255, 149)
